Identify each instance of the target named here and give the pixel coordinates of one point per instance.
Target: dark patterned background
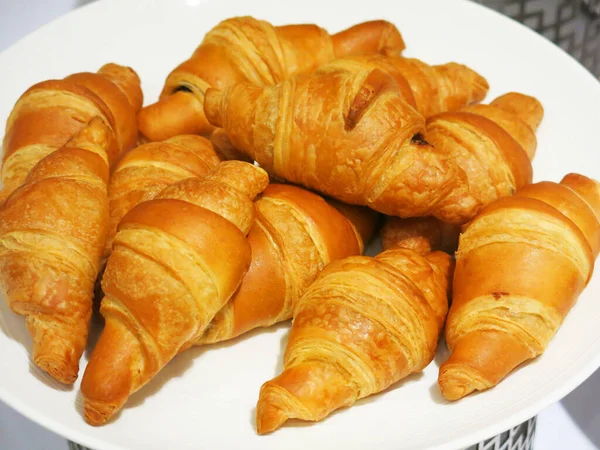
(572, 24)
(520, 437)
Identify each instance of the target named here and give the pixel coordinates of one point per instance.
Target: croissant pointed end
(173, 115)
(96, 133)
(62, 371)
(479, 87)
(97, 413)
(213, 102)
(525, 107)
(376, 36)
(108, 379)
(392, 42)
(479, 361)
(57, 351)
(455, 383)
(269, 417)
(587, 188)
(127, 80)
(249, 179)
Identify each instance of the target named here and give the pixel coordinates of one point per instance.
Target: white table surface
(572, 424)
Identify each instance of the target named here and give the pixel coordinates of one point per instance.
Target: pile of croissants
(245, 196)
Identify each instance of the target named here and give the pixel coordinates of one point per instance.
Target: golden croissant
(148, 169)
(295, 235)
(49, 113)
(254, 51)
(493, 144)
(430, 89)
(520, 266)
(348, 134)
(422, 234)
(176, 261)
(364, 324)
(52, 232)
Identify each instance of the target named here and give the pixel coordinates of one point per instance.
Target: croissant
(430, 89)
(224, 148)
(366, 221)
(521, 265)
(422, 234)
(146, 170)
(52, 231)
(493, 144)
(49, 113)
(349, 135)
(295, 235)
(176, 261)
(254, 51)
(364, 324)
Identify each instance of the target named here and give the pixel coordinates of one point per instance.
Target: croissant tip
(453, 385)
(97, 413)
(59, 370)
(481, 86)
(453, 393)
(53, 354)
(269, 418)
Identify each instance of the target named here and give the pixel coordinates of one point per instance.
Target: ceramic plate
(205, 399)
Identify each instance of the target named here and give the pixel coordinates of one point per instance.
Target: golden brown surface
(364, 324)
(244, 49)
(430, 89)
(421, 234)
(365, 220)
(493, 144)
(350, 135)
(146, 170)
(295, 235)
(49, 113)
(520, 266)
(52, 232)
(224, 148)
(176, 261)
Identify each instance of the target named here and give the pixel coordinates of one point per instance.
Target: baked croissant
(430, 89)
(224, 148)
(52, 232)
(493, 144)
(176, 261)
(295, 235)
(350, 135)
(422, 234)
(148, 169)
(364, 324)
(49, 113)
(254, 51)
(520, 266)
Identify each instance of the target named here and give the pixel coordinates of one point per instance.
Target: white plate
(205, 399)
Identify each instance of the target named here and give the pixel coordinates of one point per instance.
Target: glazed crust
(493, 145)
(430, 89)
(176, 261)
(422, 234)
(364, 324)
(244, 49)
(52, 231)
(520, 266)
(349, 135)
(295, 235)
(148, 169)
(49, 113)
